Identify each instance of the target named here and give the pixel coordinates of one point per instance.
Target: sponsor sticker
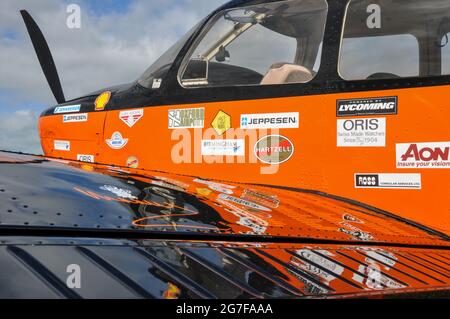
(355, 232)
(423, 155)
(119, 192)
(389, 181)
(221, 123)
(205, 192)
(368, 132)
(243, 202)
(173, 182)
(168, 185)
(351, 218)
(131, 117)
(223, 147)
(132, 162)
(220, 189)
(270, 121)
(116, 141)
(274, 149)
(261, 198)
(256, 224)
(67, 109)
(206, 182)
(61, 145)
(367, 106)
(74, 118)
(85, 158)
(156, 83)
(187, 118)
(102, 100)
(318, 265)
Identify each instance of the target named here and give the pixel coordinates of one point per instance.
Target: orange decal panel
(317, 161)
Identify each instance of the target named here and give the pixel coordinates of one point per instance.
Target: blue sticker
(67, 109)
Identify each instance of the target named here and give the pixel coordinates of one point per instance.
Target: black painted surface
(39, 192)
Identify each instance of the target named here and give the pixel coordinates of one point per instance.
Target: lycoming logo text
(369, 106)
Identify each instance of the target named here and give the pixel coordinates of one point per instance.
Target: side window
(385, 39)
(267, 44)
(387, 56)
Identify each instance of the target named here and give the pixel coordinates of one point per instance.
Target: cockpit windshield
(265, 44)
(153, 76)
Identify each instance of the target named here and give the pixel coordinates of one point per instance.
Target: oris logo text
(423, 155)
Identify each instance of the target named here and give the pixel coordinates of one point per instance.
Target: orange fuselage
(318, 161)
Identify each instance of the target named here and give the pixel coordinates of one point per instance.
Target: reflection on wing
(322, 246)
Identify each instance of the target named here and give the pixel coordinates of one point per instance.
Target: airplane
(303, 142)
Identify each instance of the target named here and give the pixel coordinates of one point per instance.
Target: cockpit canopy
(281, 42)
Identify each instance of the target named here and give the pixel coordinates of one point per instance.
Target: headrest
(282, 73)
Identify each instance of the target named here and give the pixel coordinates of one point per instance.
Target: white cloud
(109, 49)
(19, 132)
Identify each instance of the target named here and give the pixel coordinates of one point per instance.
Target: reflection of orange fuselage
(318, 163)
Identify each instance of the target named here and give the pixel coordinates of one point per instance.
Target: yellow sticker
(102, 100)
(204, 192)
(172, 292)
(221, 123)
(132, 162)
(87, 168)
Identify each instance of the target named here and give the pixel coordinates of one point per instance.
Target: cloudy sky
(117, 41)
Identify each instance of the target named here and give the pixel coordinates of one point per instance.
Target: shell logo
(102, 100)
(172, 292)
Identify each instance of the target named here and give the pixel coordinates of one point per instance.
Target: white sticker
(62, 146)
(423, 155)
(67, 109)
(119, 192)
(243, 202)
(168, 185)
(220, 189)
(368, 132)
(270, 121)
(116, 141)
(85, 158)
(75, 118)
(223, 147)
(131, 117)
(156, 83)
(206, 182)
(388, 181)
(187, 118)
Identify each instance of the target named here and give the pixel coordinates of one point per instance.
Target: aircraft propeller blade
(45, 56)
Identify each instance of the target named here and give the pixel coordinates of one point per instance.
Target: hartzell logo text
(423, 155)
